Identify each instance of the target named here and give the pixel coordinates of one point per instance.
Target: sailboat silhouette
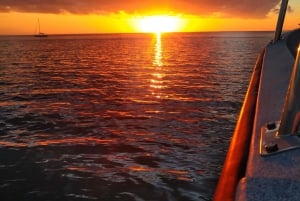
(39, 33)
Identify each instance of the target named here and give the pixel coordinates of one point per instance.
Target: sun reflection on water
(158, 51)
(157, 83)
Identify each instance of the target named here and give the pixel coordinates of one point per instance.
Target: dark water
(120, 117)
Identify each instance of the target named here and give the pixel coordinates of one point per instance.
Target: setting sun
(159, 23)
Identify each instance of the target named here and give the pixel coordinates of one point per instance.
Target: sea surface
(120, 117)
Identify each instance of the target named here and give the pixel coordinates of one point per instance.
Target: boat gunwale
(235, 163)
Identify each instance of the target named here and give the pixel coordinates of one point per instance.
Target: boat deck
(274, 177)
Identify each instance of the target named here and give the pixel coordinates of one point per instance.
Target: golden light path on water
(158, 51)
(157, 82)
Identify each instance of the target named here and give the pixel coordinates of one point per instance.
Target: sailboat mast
(38, 32)
(39, 26)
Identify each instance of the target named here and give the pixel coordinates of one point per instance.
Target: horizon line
(100, 33)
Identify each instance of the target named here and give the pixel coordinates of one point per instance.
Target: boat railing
(280, 21)
(291, 113)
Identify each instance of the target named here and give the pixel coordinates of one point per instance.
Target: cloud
(240, 8)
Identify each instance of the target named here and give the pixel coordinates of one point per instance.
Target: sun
(159, 23)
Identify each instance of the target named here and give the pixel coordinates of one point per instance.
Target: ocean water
(120, 117)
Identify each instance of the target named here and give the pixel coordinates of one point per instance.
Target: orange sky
(83, 16)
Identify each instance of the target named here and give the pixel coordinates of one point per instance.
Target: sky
(126, 16)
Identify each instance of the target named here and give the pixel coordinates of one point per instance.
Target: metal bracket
(272, 143)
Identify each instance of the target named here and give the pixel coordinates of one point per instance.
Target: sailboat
(39, 33)
(263, 159)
